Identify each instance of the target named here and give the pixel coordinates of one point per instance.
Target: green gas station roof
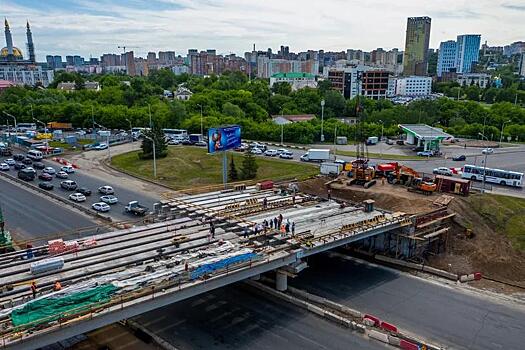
(424, 132)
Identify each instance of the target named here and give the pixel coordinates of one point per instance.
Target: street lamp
(14, 118)
(322, 120)
(501, 134)
(150, 122)
(107, 138)
(45, 129)
(484, 164)
(154, 156)
(381, 139)
(282, 126)
(202, 129)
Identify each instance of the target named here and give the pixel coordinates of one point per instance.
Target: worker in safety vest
(57, 286)
(33, 289)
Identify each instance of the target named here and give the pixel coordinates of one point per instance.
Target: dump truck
(136, 209)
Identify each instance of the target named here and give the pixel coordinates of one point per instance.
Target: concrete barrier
(388, 327)
(441, 273)
(392, 340)
(377, 335)
(377, 321)
(478, 276)
(406, 345)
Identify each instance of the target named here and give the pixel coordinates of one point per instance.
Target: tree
(161, 148)
(282, 88)
(232, 174)
(249, 166)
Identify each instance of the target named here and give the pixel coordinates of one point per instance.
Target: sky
(93, 27)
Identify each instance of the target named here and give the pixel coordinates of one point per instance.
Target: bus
(137, 132)
(497, 176)
(176, 134)
(22, 127)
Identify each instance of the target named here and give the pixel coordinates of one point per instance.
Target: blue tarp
(208, 268)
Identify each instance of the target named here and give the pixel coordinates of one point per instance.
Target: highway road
(30, 216)
(447, 316)
(237, 318)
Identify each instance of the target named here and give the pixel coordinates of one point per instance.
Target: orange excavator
(412, 179)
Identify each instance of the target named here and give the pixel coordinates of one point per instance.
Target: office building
(446, 57)
(296, 80)
(467, 79)
(266, 67)
(347, 80)
(416, 46)
(467, 52)
(127, 59)
(515, 48)
(413, 86)
(167, 57)
(374, 84)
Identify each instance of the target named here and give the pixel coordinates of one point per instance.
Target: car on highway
(270, 152)
(4, 167)
(68, 169)
(281, 150)
(27, 161)
(85, 191)
(77, 197)
(45, 177)
(101, 146)
(19, 166)
(101, 206)
(49, 170)
(425, 154)
(487, 151)
(28, 168)
(442, 171)
(46, 186)
(106, 190)
(25, 175)
(62, 175)
(39, 165)
(109, 199)
(256, 150)
(286, 155)
(19, 157)
(10, 161)
(69, 185)
(459, 158)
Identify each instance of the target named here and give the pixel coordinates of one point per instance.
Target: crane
(123, 47)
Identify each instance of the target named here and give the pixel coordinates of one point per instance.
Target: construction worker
(212, 230)
(329, 194)
(265, 203)
(293, 228)
(383, 180)
(33, 289)
(57, 286)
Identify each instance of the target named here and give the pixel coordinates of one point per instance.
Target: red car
(45, 177)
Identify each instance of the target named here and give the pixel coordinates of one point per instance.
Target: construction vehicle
(136, 209)
(6, 242)
(407, 176)
(424, 187)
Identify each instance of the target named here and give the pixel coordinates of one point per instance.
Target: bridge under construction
(203, 241)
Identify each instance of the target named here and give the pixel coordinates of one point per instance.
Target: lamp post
(149, 111)
(322, 120)
(484, 165)
(154, 156)
(45, 129)
(130, 129)
(282, 126)
(202, 129)
(380, 141)
(14, 118)
(501, 134)
(335, 138)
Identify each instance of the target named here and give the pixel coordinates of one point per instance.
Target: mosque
(11, 53)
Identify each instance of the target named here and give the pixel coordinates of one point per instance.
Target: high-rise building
(128, 59)
(446, 57)
(70, 60)
(78, 61)
(522, 65)
(152, 57)
(467, 52)
(167, 57)
(416, 46)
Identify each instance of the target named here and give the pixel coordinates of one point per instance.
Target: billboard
(224, 138)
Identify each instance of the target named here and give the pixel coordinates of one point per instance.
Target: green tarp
(51, 309)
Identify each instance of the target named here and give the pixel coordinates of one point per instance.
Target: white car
(256, 151)
(68, 169)
(109, 199)
(49, 170)
(442, 171)
(4, 166)
(286, 155)
(62, 175)
(101, 206)
(270, 153)
(77, 197)
(281, 150)
(173, 142)
(106, 190)
(487, 151)
(101, 146)
(10, 161)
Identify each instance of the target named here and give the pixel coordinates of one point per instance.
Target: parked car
(68, 169)
(69, 185)
(425, 154)
(256, 151)
(186, 142)
(77, 197)
(4, 167)
(286, 155)
(106, 190)
(201, 144)
(173, 142)
(101, 146)
(389, 142)
(418, 149)
(487, 151)
(459, 158)
(442, 171)
(45, 177)
(62, 175)
(400, 142)
(27, 161)
(109, 199)
(281, 150)
(270, 152)
(39, 165)
(49, 170)
(10, 161)
(19, 166)
(19, 157)
(84, 191)
(46, 186)
(101, 206)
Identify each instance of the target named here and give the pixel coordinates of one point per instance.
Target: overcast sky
(93, 27)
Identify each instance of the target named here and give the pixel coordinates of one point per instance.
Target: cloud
(98, 26)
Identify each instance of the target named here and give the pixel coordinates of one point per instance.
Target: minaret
(30, 45)
(9, 42)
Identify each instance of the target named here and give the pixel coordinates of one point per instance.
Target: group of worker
(277, 223)
(34, 289)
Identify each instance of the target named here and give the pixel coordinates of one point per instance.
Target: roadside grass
(186, 167)
(67, 146)
(505, 214)
(378, 155)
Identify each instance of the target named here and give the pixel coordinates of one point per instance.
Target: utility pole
(322, 120)
(14, 118)
(93, 121)
(202, 129)
(282, 126)
(484, 165)
(380, 141)
(150, 122)
(154, 155)
(501, 134)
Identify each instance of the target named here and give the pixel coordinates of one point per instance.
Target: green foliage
(232, 173)
(161, 148)
(249, 166)
(282, 88)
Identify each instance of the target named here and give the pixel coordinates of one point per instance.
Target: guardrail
(56, 197)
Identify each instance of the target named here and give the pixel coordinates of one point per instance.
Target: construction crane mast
(123, 47)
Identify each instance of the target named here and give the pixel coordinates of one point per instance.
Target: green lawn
(505, 214)
(186, 167)
(67, 146)
(378, 155)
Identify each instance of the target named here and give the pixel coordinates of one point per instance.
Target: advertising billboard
(224, 138)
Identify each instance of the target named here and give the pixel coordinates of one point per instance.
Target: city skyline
(96, 27)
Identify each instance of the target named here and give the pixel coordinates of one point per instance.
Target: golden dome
(16, 52)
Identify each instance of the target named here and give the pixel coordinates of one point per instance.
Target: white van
(35, 155)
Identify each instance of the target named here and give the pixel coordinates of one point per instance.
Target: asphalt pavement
(444, 315)
(237, 318)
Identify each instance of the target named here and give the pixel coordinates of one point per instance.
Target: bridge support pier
(281, 281)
